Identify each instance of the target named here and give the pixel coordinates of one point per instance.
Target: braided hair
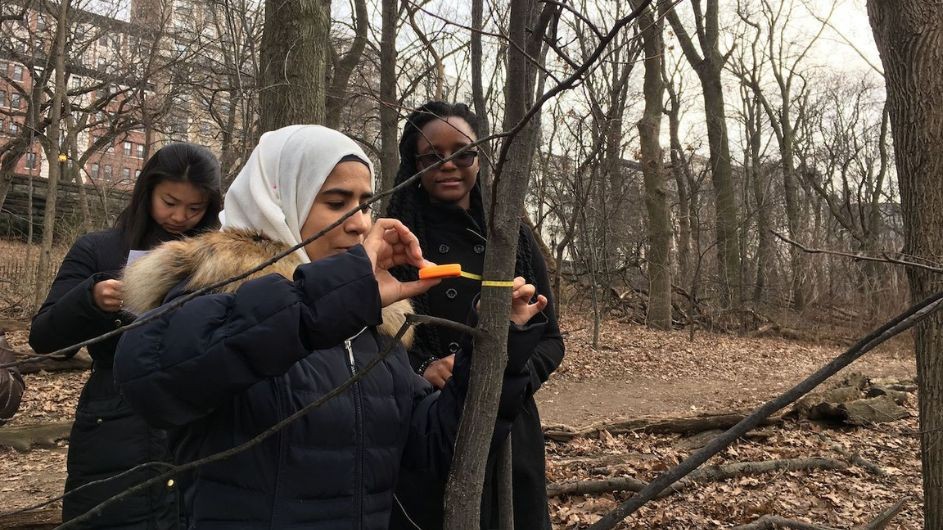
(409, 205)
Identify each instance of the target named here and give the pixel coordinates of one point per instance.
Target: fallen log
(706, 474)
(772, 522)
(35, 520)
(654, 425)
(23, 437)
(79, 363)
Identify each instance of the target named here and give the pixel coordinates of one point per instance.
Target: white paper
(135, 255)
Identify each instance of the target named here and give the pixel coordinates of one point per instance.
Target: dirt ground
(638, 372)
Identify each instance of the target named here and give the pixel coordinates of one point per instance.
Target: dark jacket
(453, 235)
(227, 366)
(107, 436)
(11, 383)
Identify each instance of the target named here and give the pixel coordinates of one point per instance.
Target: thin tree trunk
(45, 266)
(708, 68)
(478, 96)
(389, 151)
(466, 477)
(656, 197)
(337, 95)
(678, 171)
(294, 57)
(909, 38)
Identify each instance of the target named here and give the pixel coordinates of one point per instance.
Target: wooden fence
(15, 212)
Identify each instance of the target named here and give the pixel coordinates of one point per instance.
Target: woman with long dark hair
(177, 194)
(447, 215)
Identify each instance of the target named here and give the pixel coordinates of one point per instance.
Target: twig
(901, 323)
(863, 257)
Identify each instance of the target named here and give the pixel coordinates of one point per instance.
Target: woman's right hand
(389, 244)
(108, 295)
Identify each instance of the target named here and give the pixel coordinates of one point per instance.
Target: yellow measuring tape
(487, 283)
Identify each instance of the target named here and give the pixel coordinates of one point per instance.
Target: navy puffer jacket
(225, 367)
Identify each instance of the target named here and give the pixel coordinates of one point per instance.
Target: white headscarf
(276, 188)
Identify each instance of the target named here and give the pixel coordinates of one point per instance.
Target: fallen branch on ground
(654, 425)
(772, 522)
(707, 474)
(23, 437)
(47, 518)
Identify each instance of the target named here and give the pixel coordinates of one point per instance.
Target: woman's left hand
(389, 244)
(522, 310)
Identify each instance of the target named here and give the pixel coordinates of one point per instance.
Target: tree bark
(466, 477)
(389, 150)
(294, 60)
(909, 37)
(656, 197)
(708, 69)
(337, 95)
(45, 266)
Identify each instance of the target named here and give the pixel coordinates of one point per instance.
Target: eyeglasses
(463, 159)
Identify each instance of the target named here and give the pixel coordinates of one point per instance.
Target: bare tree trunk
(708, 68)
(294, 57)
(656, 197)
(337, 95)
(478, 96)
(678, 171)
(466, 477)
(909, 38)
(389, 151)
(56, 163)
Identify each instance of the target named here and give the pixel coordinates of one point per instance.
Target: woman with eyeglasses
(446, 213)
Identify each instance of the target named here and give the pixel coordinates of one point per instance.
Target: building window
(108, 173)
(110, 148)
(17, 72)
(14, 127)
(94, 171)
(139, 150)
(3, 98)
(30, 160)
(76, 81)
(137, 173)
(40, 23)
(127, 148)
(126, 174)
(4, 67)
(15, 101)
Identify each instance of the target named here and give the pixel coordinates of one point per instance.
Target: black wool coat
(107, 437)
(453, 235)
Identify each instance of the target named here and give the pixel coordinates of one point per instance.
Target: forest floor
(634, 373)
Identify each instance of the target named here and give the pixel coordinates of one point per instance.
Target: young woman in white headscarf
(227, 366)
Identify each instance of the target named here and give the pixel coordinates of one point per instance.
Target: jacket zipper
(281, 407)
(358, 432)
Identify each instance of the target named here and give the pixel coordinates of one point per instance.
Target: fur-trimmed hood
(215, 256)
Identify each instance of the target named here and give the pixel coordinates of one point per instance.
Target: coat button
(443, 249)
(479, 248)
(99, 421)
(451, 293)
(170, 484)
(118, 322)
(454, 347)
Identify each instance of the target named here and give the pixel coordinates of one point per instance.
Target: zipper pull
(350, 356)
